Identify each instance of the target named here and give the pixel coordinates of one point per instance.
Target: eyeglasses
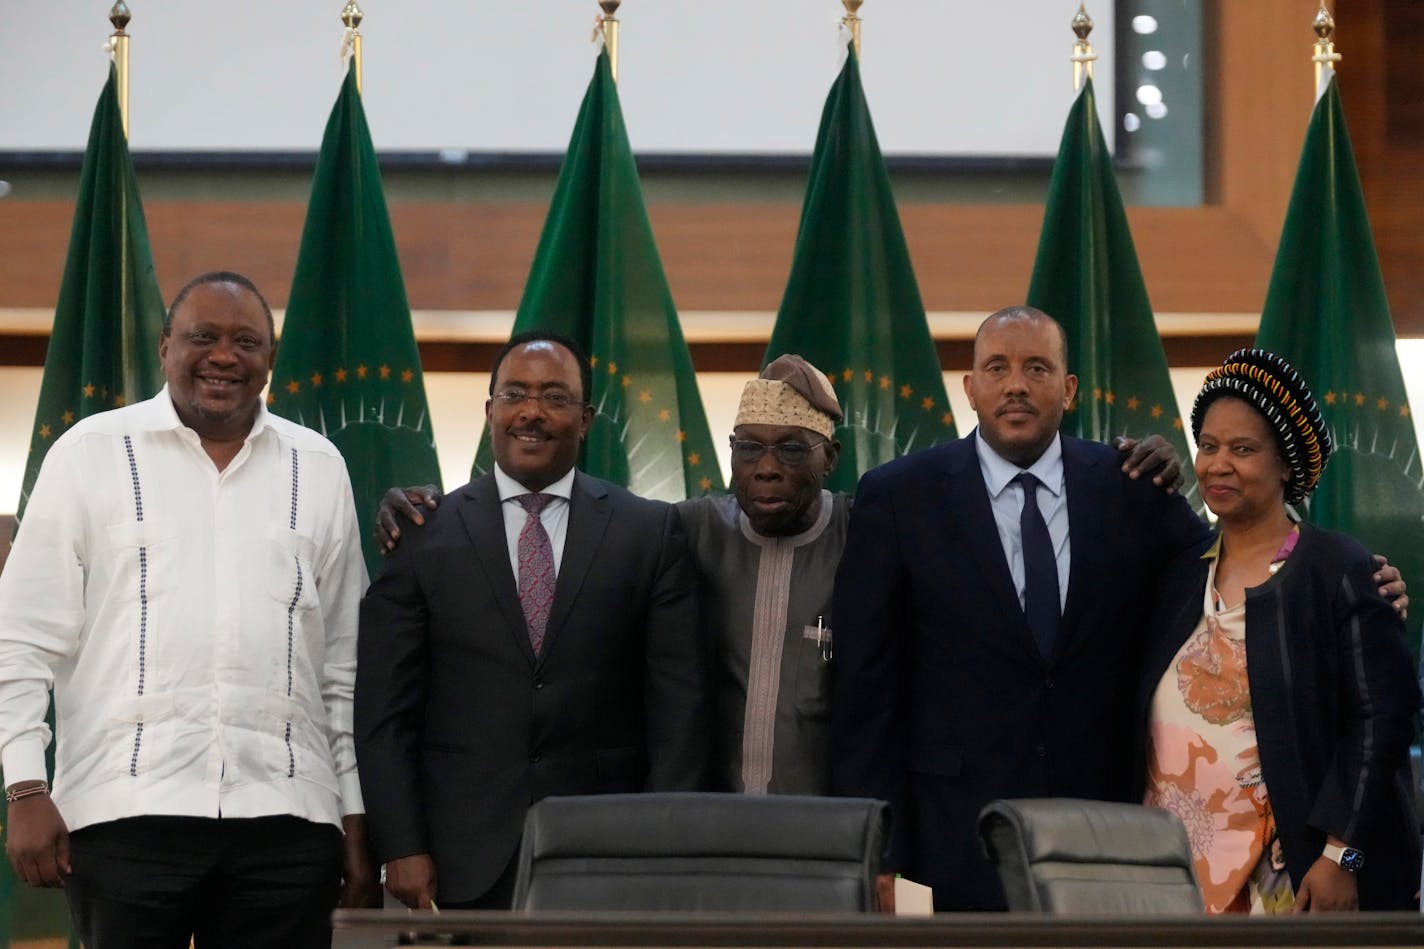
(553, 399)
(790, 454)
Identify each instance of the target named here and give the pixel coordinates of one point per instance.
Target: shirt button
(535, 758)
(1048, 683)
(1042, 751)
(538, 683)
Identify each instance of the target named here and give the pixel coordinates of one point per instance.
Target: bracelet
(13, 794)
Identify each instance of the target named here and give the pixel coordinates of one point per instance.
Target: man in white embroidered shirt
(187, 580)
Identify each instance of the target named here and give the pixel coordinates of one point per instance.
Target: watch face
(1351, 859)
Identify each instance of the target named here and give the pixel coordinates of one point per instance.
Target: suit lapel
(483, 517)
(967, 494)
(589, 511)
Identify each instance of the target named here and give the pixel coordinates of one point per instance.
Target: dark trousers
(156, 882)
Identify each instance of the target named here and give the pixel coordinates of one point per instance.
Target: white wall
(457, 412)
(737, 76)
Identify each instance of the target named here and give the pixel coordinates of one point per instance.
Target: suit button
(538, 684)
(1042, 751)
(1048, 683)
(535, 758)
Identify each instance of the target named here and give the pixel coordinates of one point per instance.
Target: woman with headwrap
(1277, 689)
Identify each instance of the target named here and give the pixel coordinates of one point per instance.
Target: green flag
(852, 307)
(1326, 312)
(1086, 276)
(103, 353)
(347, 365)
(597, 278)
(103, 350)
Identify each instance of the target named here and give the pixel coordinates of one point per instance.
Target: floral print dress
(1203, 763)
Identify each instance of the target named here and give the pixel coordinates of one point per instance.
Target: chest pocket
(811, 661)
(144, 558)
(291, 576)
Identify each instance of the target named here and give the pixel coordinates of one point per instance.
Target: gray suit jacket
(460, 727)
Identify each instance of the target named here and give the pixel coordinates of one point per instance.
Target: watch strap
(1348, 858)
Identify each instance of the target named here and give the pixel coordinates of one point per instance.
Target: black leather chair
(1090, 857)
(701, 852)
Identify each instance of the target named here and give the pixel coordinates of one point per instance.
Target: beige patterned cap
(790, 391)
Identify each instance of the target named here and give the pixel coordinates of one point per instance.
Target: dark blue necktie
(1040, 568)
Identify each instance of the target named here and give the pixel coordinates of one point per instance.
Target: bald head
(1014, 314)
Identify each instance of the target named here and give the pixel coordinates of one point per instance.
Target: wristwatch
(1349, 859)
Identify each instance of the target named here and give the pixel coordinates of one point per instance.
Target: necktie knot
(534, 503)
(1029, 482)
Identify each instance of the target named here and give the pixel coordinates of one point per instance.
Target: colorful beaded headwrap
(1269, 384)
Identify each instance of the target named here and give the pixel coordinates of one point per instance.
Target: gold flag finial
(608, 24)
(1325, 55)
(351, 17)
(119, 16)
(852, 22)
(1324, 24)
(1083, 55)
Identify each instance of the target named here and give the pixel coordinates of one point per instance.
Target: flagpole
(119, 16)
(608, 23)
(852, 22)
(1083, 54)
(1325, 55)
(352, 16)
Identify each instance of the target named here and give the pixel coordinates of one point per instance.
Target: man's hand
(412, 880)
(360, 887)
(407, 501)
(1326, 889)
(37, 842)
(1153, 456)
(1392, 586)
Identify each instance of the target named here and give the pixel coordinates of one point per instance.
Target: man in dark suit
(983, 653)
(538, 637)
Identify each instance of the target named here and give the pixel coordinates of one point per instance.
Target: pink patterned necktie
(536, 568)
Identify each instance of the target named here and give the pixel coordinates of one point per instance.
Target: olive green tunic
(766, 605)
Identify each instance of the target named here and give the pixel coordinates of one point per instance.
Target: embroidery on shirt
(142, 600)
(772, 603)
(291, 614)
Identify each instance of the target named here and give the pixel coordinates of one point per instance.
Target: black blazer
(1333, 695)
(941, 701)
(459, 727)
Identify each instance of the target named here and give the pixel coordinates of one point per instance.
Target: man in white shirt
(187, 581)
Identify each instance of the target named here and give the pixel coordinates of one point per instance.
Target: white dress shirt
(198, 627)
(1007, 499)
(555, 516)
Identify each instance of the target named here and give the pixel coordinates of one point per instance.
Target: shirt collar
(160, 415)
(509, 488)
(998, 471)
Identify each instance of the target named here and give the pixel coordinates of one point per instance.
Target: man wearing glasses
(537, 637)
(766, 559)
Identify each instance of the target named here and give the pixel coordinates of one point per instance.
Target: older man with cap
(767, 559)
